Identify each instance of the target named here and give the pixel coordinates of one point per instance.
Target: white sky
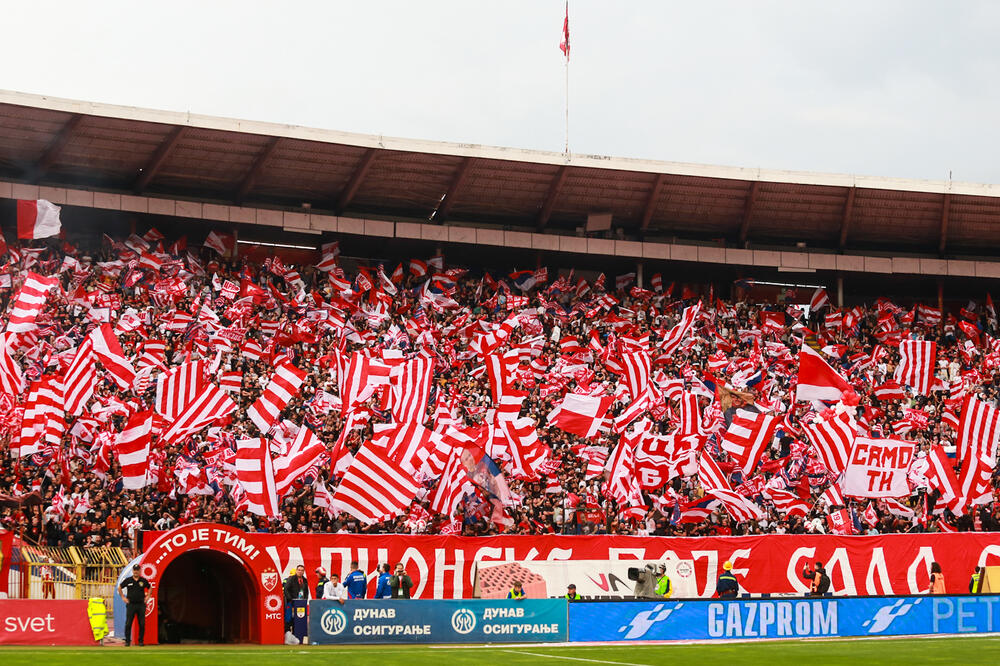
(905, 88)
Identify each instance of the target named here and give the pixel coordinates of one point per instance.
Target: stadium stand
(151, 378)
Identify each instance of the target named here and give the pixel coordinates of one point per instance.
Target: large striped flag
(710, 475)
(916, 364)
(374, 488)
(132, 446)
(178, 386)
(79, 378)
(748, 436)
(111, 355)
(941, 475)
(527, 452)
(284, 386)
(637, 367)
(978, 432)
(833, 440)
(304, 452)
(412, 445)
(11, 377)
(211, 404)
(30, 300)
(255, 474)
(581, 415)
(787, 502)
(740, 508)
(411, 388)
(452, 485)
(675, 336)
(362, 377)
(816, 379)
(44, 420)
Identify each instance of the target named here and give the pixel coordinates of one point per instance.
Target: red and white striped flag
(328, 260)
(916, 364)
(362, 377)
(412, 446)
(740, 509)
(29, 302)
(816, 379)
(211, 404)
(222, 243)
(748, 437)
(941, 475)
(597, 458)
(44, 420)
(637, 367)
(37, 219)
(452, 485)
(411, 388)
(890, 390)
(111, 355)
(675, 336)
(978, 433)
(581, 415)
(231, 381)
(833, 440)
(304, 452)
(374, 488)
(132, 446)
(710, 475)
(787, 503)
(178, 386)
(832, 496)
(255, 473)
(11, 377)
(284, 386)
(819, 300)
(527, 451)
(79, 379)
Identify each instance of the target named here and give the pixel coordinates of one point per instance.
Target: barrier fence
(38, 572)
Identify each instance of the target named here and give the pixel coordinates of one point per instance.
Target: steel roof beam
(748, 210)
(258, 166)
(550, 198)
(158, 159)
(347, 194)
(845, 220)
(945, 210)
(55, 147)
(441, 214)
(651, 201)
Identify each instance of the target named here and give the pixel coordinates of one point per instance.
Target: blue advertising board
(783, 618)
(438, 621)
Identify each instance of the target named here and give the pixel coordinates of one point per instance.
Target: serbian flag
(817, 380)
(37, 219)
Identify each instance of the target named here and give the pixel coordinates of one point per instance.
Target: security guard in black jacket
(133, 593)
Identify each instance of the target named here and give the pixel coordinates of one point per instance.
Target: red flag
(564, 45)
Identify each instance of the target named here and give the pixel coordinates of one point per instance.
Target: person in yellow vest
(97, 613)
(571, 594)
(517, 592)
(663, 587)
(937, 580)
(975, 583)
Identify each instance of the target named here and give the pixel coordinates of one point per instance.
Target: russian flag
(37, 219)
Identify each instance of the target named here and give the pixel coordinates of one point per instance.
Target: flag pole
(566, 37)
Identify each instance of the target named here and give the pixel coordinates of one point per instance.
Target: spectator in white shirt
(334, 589)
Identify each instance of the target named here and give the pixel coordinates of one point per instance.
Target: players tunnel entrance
(207, 596)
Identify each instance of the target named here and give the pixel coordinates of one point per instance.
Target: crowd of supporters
(736, 355)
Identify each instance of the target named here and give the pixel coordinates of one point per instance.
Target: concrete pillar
(638, 274)
(840, 291)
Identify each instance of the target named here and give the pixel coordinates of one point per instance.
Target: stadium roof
(60, 142)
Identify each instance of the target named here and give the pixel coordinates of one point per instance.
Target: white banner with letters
(878, 467)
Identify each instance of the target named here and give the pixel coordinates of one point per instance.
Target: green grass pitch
(815, 652)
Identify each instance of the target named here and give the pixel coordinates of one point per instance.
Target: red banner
(6, 548)
(49, 622)
(443, 566)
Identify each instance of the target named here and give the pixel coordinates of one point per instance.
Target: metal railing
(39, 572)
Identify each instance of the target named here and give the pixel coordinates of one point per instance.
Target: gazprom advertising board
(783, 618)
(438, 621)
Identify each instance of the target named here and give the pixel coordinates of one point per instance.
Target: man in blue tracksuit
(356, 582)
(382, 588)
